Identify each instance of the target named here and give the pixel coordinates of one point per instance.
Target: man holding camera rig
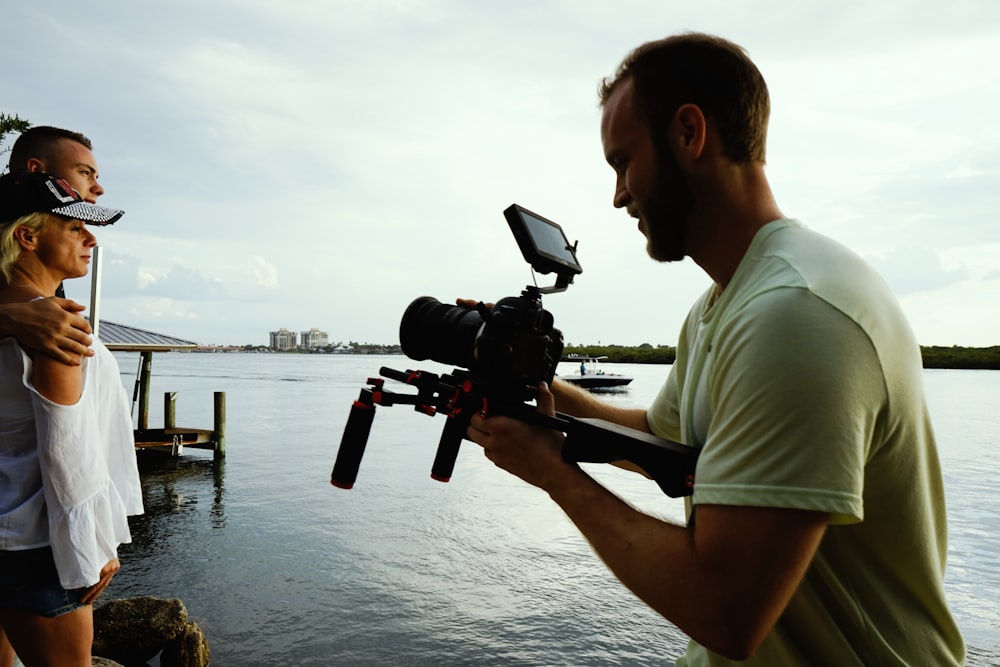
(816, 533)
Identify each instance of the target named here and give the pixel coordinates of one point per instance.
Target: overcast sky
(321, 164)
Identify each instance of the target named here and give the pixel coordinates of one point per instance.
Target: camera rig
(506, 351)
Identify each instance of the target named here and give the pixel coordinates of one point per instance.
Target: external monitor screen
(542, 242)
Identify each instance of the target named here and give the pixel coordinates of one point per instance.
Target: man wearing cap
(68, 474)
(53, 326)
(63, 153)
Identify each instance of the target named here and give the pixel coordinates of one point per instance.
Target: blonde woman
(68, 477)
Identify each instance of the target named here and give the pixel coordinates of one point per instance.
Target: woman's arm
(56, 381)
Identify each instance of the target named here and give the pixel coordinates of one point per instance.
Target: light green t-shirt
(802, 384)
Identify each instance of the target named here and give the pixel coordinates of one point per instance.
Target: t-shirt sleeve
(663, 415)
(796, 390)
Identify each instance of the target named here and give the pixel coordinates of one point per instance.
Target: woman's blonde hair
(10, 248)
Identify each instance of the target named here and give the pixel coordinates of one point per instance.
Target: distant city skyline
(286, 339)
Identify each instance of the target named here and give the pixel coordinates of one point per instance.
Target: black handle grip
(352, 443)
(670, 464)
(447, 451)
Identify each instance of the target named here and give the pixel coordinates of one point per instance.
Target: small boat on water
(590, 375)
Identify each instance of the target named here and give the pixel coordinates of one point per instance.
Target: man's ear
(691, 130)
(36, 164)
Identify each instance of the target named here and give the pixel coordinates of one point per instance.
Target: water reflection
(277, 567)
(173, 486)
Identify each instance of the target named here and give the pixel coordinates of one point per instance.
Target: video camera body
(507, 350)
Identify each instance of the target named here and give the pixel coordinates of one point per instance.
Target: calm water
(280, 568)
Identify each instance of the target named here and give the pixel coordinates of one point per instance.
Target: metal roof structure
(123, 338)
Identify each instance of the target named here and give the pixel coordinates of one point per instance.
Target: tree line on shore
(971, 358)
(934, 356)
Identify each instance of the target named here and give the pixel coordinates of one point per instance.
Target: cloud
(324, 163)
(262, 272)
(916, 269)
(186, 283)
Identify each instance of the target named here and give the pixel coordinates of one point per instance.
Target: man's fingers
(75, 343)
(70, 305)
(67, 358)
(471, 303)
(545, 401)
(72, 351)
(77, 337)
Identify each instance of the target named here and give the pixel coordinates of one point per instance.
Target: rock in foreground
(132, 631)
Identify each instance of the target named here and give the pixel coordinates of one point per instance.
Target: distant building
(283, 339)
(314, 338)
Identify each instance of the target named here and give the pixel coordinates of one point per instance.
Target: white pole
(95, 290)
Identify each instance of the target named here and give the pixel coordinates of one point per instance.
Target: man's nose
(622, 196)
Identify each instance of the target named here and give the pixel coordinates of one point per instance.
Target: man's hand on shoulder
(52, 326)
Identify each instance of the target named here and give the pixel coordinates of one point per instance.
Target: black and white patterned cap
(25, 192)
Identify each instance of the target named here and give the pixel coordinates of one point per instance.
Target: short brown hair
(710, 72)
(38, 142)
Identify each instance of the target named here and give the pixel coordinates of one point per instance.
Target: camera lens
(434, 330)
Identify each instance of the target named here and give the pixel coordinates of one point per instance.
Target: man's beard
(666, 214)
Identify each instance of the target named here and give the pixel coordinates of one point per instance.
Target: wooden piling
(220, 425)
(170, 409)
(145, 373)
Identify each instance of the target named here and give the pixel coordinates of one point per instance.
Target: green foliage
(644, 354)
(981, 358)
(970, 358)
(10, 123)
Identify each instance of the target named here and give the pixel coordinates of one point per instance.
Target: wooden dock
(171, 438)
(175, 438)
(122, 338)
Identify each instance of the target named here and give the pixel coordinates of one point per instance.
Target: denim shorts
(29, 582)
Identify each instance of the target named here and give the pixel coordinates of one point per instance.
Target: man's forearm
(725, 586)
(8, 323)
(52, 326)
(577, 402)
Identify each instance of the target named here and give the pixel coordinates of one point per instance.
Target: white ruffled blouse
(68, 474)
